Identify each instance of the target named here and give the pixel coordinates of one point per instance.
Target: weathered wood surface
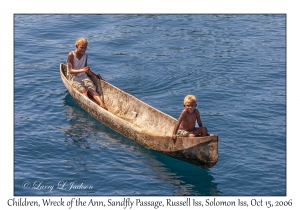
(146, 125)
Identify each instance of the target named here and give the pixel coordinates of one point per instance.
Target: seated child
(186, 122)
(79, 72)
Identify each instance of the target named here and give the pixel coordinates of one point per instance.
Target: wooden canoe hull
(146, 125)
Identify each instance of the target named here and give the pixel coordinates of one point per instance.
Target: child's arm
(198, 118)
(181, 117)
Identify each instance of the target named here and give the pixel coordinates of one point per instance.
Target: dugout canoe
(144, 124)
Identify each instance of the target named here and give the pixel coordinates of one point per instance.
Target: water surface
(234, 64)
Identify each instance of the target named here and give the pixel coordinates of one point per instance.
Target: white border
(9, 8)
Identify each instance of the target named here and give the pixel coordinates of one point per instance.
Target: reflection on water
(178, 177)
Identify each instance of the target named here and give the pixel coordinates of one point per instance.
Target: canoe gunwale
(200, 151)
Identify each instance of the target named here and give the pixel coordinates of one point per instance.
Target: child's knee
(85, 93)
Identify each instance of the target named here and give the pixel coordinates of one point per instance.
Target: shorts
(183, 133)
(83, 85)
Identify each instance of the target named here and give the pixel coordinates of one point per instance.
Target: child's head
(189, 98)
(190, 103)
(81, 41)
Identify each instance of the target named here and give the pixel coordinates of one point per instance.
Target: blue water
(234, 64)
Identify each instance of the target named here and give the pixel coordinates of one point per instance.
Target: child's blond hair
(189, 98)
(81, 41)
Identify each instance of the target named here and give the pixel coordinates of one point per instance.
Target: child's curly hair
(189, 98)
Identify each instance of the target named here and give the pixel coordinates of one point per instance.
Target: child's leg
(85, 93)
(92, 91)
(97, 84)
(97, 97)
(201, 130)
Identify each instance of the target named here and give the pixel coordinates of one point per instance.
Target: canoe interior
(134, 111)
(148, 126)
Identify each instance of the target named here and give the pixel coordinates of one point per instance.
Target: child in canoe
(186, 122)
(79, 72)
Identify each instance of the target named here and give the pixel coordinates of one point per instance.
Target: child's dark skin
(80, 50)
(187, 119)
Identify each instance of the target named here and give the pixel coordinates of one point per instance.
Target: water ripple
(234, 64)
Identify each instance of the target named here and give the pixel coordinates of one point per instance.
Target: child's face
(190, 106)
(81, 48)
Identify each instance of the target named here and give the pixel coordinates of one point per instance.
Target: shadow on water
(195, 180)
(186, 178)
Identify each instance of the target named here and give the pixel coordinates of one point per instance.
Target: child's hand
(86, 69)
(174, 136)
